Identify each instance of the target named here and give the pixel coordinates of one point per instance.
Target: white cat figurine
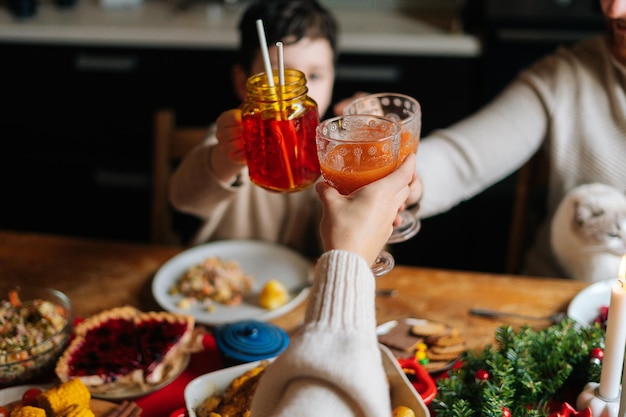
(588, 234)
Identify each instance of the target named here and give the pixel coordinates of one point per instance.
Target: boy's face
(315, 59)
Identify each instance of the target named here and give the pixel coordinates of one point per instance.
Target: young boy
(212, 181)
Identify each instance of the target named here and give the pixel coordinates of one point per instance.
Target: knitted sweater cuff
(338, 304)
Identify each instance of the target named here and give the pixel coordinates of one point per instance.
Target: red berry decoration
(506, 412)
(602, 317)
(482, 375)
(568, 411)
(596, 353)
(604, 312)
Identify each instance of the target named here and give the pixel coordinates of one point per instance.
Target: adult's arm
(333, 366)
(456, 163)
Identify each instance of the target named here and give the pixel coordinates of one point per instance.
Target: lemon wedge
(273, 295)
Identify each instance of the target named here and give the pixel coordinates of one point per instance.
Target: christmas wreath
(527, 373)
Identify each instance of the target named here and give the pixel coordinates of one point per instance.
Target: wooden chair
(170, 144)
(528, 209)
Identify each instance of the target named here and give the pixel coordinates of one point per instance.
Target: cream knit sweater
(333, 365)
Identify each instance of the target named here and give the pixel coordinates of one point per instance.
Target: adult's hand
(362, 221)
(415, 195)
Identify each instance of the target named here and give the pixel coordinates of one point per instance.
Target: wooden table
(98, 275)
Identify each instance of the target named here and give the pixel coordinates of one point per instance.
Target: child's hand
(228, 157)
(229, 136)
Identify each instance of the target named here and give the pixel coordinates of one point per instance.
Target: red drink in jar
(279, 133)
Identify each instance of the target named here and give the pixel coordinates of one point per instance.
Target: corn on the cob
(57, 399)
(76, 410)
(28, 411)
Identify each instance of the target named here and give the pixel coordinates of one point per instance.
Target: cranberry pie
(124, 348)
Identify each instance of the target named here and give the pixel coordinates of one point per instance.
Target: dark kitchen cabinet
(76, 125)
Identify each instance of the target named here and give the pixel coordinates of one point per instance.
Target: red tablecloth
(167, 400)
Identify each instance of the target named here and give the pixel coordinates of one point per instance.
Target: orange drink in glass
(355, 150)
(345, 168)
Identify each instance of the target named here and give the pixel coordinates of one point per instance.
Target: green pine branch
(530, 372)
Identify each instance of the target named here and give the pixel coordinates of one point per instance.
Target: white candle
(622, 401)
(615, 341)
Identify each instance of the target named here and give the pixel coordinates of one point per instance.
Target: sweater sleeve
(194, 188)
(458, 162)
(333, 365)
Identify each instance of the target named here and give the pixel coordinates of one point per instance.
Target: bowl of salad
(35, 327)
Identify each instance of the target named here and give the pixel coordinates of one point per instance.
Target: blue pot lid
(250, 340)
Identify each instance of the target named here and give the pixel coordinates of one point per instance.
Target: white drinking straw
(281, 64)
(265, 53)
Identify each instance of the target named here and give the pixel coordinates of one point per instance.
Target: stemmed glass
(407, 111)
(355, 150)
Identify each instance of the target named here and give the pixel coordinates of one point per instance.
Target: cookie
(428, 329)
(445, 353)
(450, 338)
(452, 349)
(445, 357)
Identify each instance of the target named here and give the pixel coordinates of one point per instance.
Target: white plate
(402, 392)
(262, 260)
(12, 394)
(585, 307)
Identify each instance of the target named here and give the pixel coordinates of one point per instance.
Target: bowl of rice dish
(35, 327)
